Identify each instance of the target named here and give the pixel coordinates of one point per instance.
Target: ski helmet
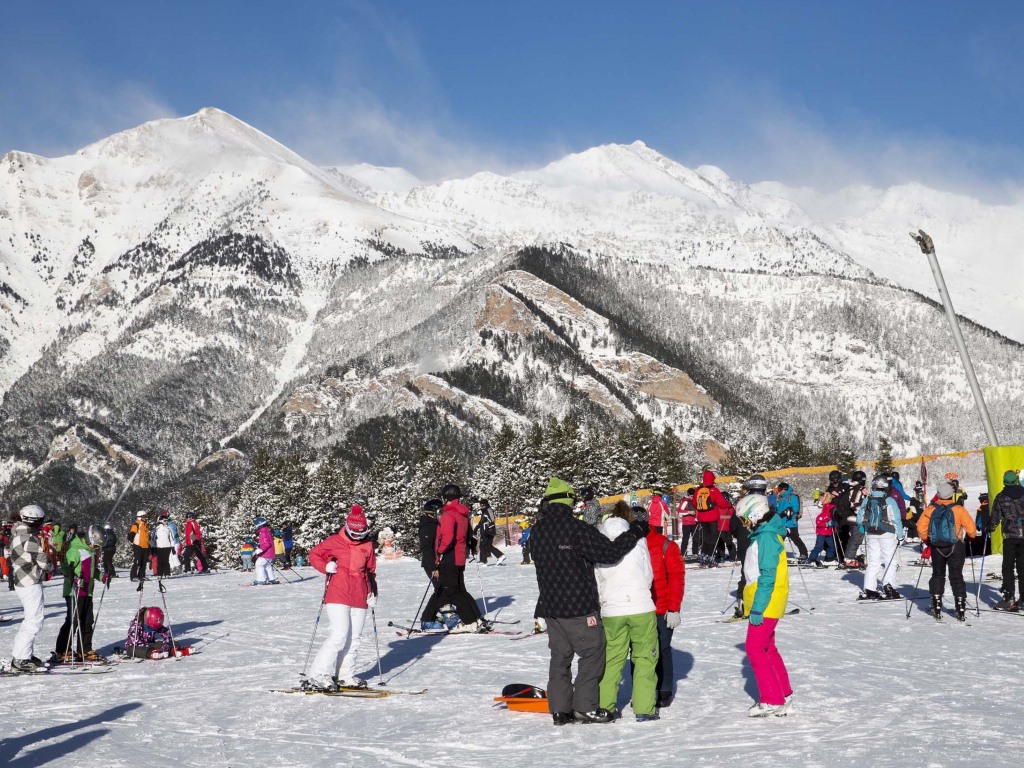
(259, 522)
(32, 514)
(154, 618)
(451, 492)
(753, 509)
(164, 515)
(894, 475)
(756, 483)
(859, 476)
(107, 527)
(432, 505)
(588, 493)
(95, 535)
(834, 476)
(190, 515)
(140, 514)
(880, 483)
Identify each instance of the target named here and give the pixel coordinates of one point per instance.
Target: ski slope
(871, 687)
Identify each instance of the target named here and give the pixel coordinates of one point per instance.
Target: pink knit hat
(355, 523)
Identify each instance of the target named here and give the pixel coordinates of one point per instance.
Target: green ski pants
(635, 636)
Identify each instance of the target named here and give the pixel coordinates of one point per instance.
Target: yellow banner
(998, 459)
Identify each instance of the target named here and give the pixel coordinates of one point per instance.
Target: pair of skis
(349, 692)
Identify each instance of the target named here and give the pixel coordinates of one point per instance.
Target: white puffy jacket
(625, 588)
(164, 539)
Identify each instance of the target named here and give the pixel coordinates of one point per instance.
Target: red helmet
(154, 618)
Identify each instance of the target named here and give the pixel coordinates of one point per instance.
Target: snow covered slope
(215, 709)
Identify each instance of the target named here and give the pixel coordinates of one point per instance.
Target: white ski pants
(32, 620)
(881, 554)
(265, 569)
(337, 656)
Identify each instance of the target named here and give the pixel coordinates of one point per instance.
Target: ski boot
(563, 718)
(961, 608)
(648, 718)
(765, 710)
(937, 606)
(320, 683)
(464, 629)
(890, 593)
(432, 626)
(870, 594)
(597, 716)
(356, 683)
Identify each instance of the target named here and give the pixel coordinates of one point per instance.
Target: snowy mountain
(192, 285)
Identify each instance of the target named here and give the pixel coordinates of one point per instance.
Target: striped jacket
(28, 559)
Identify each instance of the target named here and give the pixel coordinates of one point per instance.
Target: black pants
(686, 535)
(1013, 558)
(139, 558)
(163, 561)
(526, 553)
(190, 551)
(709, 534)
(952, 558)
(287, 557)
(108, 562)
(568, 638)
(452, 590)
(82, 625)
(433, 605)
(794, 536)
(487, 548)
(666, 674)
(727, 544)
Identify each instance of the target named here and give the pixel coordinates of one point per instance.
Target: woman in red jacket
(350, 563)
(667, 591)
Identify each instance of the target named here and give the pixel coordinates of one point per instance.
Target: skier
(265, 552)
(824, 540)
(486, 531)
(765, 596)
(245, 551)
(139, 535)
(787, 506)
(164, 545)
(658, 509)
(591, 506)
(148, 638)
(630, 621)
(753, 485)
(109, 548)
(817, 497)
(289, 543)
(80, 569)
(711, 506)
(879, 517)
(565, 551)
(193, 544)
(1008, 511)
(667, 590)
(450, 562)
(174, 558)
(29, 564)
(350, 564)
(942, 527)
(524, 541)
(687, 514)
(847, 502)
(428, 526)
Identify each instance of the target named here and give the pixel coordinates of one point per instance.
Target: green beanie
(559, 492)
(1010, 478)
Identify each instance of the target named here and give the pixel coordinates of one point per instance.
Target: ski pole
(163, 596)
(910, 604)
(891, 558)
(977, 597)
(728, 587)
(316, 624)
(412, 624)
(483, 592)
(802, 580)
(99, 608)
(69, 649)
(376, 643)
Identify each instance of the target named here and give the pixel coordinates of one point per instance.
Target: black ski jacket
(564, 552)
(428, 534)
(1008, 509)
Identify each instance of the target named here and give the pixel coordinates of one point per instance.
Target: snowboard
(523, 697)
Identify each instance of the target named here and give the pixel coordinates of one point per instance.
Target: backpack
(942, 526)
(877, 520)
(702, 499)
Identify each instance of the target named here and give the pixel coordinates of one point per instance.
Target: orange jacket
(961, 519)
(140, 533)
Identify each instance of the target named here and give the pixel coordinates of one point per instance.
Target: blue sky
(819, 93)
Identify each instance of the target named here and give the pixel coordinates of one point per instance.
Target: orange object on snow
(521, 704)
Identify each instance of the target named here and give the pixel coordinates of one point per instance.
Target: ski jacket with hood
(80, 563)
(29, 561)
(787, 504)
(162, 536)
(894, 519)
(1008, 509)
(265, 542)
(823, 523)
(565, 551)
(669, 573)
(962, 520)
(428, 536)
(357, 568)
(686, 511)
(193, 533)
(625, 587)
(140, 533)
(766, 570)
(451, 533)
(720, 506)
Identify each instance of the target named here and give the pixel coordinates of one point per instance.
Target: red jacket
(686, 511)
(192, 532)
(669, 573)
(823, 522)
(451, 532)
(721, 508)
(357, 569)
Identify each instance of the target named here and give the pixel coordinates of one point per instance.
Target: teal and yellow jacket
(766, 571)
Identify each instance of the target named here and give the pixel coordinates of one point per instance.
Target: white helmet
(95, 535)
(753, 509)
(32, 514)
(880, 483)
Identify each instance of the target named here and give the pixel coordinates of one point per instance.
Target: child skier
(767, 591)
(264, 553)
(350, 564)
(824, 540)
(148, 638)
(246, 550)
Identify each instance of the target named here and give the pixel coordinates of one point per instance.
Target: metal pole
(928, 248)
(120, 497)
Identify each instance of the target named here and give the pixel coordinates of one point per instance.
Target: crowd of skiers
(38, 549)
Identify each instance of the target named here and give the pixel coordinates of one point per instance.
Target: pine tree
(883, 464)
(846, 461)
(331, 492)
(386, 488)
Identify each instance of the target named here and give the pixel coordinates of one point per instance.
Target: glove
(371, 601)
(640, 529)
(332, 567)
(757, 619)
(672, 619)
